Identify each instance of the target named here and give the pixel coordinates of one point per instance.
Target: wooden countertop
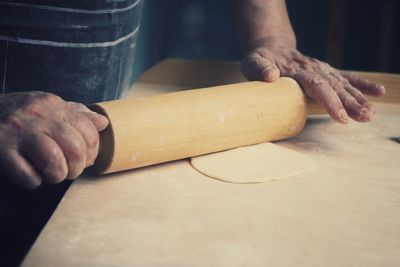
(346, 212)
(202, 73)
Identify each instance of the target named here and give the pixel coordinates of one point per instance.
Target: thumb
(256, 67)
(101, 122)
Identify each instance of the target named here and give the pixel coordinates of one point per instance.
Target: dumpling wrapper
(253, 164)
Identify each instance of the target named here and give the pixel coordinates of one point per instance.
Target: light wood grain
(184, 124)
(344, 213)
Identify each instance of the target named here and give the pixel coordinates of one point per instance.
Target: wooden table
(344, 213)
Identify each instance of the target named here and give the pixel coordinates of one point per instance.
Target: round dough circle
(253, 164)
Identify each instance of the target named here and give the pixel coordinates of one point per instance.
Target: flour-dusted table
(346, 212)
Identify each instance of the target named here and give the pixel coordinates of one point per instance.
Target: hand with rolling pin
(270, 45)
(44, 139)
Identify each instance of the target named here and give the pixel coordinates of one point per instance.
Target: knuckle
(14, 121)
(251, 61)
(53, 159)
(48, 97)
(77, 150)
(80, 106)
(355, 92)
(88, 131)
(34, 109)
(76, 154)
(295, 55)
(316, 80)
(72, 144)
(346, 84)
(92, 139)
(351, 76)
(294, 68)
(336, 76)
(350, 101)
(53, 154)
(336, 86)
(255, 58)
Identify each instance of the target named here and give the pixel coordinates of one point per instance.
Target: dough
(253, 164)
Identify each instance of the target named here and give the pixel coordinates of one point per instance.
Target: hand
(341, 94)
(45, 139)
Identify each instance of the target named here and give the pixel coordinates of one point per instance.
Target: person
(46, 139)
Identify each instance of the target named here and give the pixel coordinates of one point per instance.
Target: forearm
(261, 21)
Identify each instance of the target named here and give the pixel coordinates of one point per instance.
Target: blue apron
(81, 50)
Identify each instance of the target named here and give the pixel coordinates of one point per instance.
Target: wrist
(273, 41)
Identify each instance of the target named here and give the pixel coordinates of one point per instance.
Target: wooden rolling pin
(166, 127)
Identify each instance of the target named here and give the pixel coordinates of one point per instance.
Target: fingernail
(382, 88)
(370, 107)
(365, 114)
(32, 185)
(267, 68)
(343, 116)
(89, 163)
(364, 111)
(270, 74)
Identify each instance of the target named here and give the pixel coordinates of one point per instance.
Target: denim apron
(81, 50)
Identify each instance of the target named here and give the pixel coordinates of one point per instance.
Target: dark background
(354, 34)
